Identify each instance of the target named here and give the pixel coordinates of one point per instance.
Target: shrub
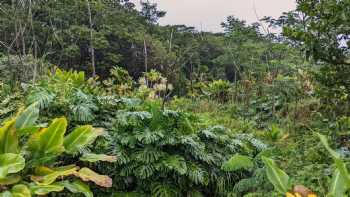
(219, 90)
(161, 153)
(30, 155)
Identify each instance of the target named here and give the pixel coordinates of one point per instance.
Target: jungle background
(184, 112)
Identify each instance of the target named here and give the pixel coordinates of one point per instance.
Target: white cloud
(208, 14)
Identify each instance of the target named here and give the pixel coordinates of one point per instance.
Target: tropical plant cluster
(98, 99)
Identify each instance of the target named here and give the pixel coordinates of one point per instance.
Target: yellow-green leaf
(77, 187)
(8, 138)
(87, 174)
(20, 191)
(276, 176)
(10, 180)
(324, 141)
(28, 117)
(90, 157)
(45, 189)
(48, 176)
(238, 162)
(10, 163)
(80, 138)
(48, 142)
(338, 185)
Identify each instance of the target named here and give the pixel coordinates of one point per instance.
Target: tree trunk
(92, 50)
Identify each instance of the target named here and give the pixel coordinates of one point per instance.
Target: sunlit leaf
(77, 187)
(28, 117)
(10, 163)
(98, 157)
(48, 176)
(48, 141)
(45, 189)
(8, 138)
(81, 137)
(10, 180)
(20, 191)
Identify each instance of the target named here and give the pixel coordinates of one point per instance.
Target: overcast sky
(208, 14)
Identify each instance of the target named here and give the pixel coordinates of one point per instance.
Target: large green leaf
(324, 141)
(238, 162)
(77, 187)
(45, 189)
(10, 180)
(338, 185)
(276, 176)
(6, 194)
(20, 191)
(48, 141)
(90, 157)
(341, 177)
(8, 138)
(88, 175)
(10, 163)
(28, 117)
(81, 137)
(47, 176)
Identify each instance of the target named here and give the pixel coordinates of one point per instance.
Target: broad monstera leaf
(10, 163)
(48, 141)
(80, 138)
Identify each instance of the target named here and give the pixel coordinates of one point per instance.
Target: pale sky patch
(208, 14)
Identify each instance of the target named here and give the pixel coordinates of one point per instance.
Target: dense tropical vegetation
(98, 99)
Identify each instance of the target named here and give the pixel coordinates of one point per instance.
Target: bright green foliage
(28, 117)
(77, 187)
(28, 161)
(219, 90)
(8, 138)
(90, 157)
(338, 186)
(238, 162)
(48, 142)
(66, 93)
(80, 137)
(340, 182)
(10, 163)
(276, 176)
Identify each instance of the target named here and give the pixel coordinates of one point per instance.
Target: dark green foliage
(161, 153)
